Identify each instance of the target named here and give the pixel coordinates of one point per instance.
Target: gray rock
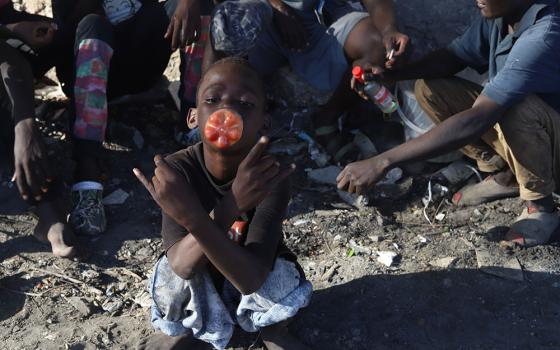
(499, 264)
(83, 306)
(443, 263)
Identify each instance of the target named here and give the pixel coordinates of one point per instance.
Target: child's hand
(256, 176)
(171, 192)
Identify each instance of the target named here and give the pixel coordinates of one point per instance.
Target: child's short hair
(241, 62)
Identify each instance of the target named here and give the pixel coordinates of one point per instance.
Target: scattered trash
(440, 217)
(358, 249)
(354, 200)
(376, 238)
(443, 263)
(422, 239)
(498, 264)
(329, 273)
(364, 144)
(432, 193)
(118, 197)
(324, 175)
(143, 299)
(316, 153)
(112, 305)
(386, 258)
(455, 173)
(301, 222)
(393, 191)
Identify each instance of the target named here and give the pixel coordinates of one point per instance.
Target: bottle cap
(358, 73)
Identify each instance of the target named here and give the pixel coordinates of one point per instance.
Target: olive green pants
(527, 138)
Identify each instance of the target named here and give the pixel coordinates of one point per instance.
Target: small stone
(499, 265)
(329, 273)
(443, 263)
(82, 305)
(112, 305)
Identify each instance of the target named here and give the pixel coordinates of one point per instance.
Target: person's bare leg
(277, 337)
(52, 228)
(160, 341)
(363, 47)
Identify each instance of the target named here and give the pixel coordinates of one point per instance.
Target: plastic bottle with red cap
(376, 92)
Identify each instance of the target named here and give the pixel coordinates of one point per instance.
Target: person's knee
(365, 43)
(521, 116)
(94, 26)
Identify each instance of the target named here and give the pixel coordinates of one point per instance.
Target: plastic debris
(386, 258)
(364, 144)
(316, 153)
(116, 198)
(358, 249)
(358, 201)
(324, 175)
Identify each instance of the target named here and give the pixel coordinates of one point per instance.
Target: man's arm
(32, 172)
(451, 134)
(383, 14)
(441, 63)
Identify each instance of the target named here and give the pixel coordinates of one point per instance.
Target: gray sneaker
(88, 214)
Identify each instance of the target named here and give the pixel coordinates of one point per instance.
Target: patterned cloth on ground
(181, 306)
(236, 25)
(120, 10)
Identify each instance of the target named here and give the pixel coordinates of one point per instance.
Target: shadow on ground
(456, 309)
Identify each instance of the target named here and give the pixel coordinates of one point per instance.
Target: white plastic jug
(416, 121)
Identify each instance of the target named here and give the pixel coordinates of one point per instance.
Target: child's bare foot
(52, 228)
(277, 337)
(160, 341)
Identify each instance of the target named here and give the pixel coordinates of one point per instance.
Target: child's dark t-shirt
(264, 222)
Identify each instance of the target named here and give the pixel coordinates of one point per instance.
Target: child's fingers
(162, 165)
(264, 164)
(140, 176)
(256, 152)
(283, 174)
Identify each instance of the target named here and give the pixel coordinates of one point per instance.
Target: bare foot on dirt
(277, 337)
(52, 228)
(160, 341)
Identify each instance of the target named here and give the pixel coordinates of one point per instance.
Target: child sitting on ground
(223, 202)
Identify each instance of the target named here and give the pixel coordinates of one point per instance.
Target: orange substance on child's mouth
(223, 128)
